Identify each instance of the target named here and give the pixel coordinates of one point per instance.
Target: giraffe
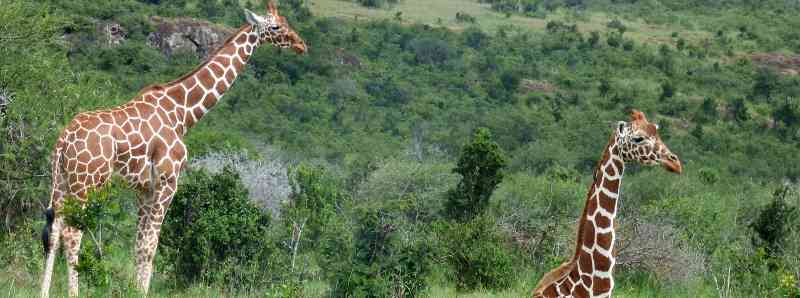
(142, 141)
(589, 272)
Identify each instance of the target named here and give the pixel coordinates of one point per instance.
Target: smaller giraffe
(589, 272)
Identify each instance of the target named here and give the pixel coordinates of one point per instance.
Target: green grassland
(443, 13)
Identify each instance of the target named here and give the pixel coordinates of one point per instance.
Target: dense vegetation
(374, 132)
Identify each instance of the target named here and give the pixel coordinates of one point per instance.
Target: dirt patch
(537, 86)
(785, 64)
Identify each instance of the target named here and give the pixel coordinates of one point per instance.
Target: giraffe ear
(272, 9)
(637, 115)
(251, 17)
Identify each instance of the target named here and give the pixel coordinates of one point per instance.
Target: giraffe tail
(52, 228)
(56, 193)
(48, 225)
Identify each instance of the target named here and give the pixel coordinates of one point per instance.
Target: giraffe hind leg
(53, 243)
(72, 246)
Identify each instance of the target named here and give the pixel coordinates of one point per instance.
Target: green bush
(214, 233)
(773, 223)
(98, 215)
(377, 3)
(313, 201)
(478, 254)
(480, 165)
(379, 262)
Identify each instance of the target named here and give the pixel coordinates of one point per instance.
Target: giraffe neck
(187, 99)
(589, 272)
(596, 234)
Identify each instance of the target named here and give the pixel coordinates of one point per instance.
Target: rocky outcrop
(187, 34)
(6, 98)
(784, 64)
(528, 86)
(110, 34)
(345, 58)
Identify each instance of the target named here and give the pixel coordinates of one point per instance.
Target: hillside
(443, 14)
(362, 144)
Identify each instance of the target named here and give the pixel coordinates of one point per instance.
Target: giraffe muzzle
(298, 45)
(673, 164)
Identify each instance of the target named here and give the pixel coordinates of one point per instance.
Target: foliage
(313, 201)
(773, 223)
(214, 232)
(478, 254)
(377, 3)
(480, 165)
(380, 263)
(430, 51)
(96, 215)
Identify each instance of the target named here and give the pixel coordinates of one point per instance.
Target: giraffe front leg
(72, 247)
(151, 216)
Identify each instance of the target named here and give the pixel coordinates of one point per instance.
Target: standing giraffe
(142, 141)
(589, 272)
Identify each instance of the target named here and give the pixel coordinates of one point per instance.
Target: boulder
(187, 34)
(110, 34)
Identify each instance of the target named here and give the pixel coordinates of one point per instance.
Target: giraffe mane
(162, 86)
(553, 275)
(563, 269)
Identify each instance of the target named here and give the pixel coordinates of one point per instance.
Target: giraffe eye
(637, 140)
(274, 28)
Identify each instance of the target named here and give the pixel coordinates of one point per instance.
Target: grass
(442, 13)
(14, 283)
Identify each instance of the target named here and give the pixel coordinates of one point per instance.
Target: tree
(376, 261)
(605, 87)
(213, 232)
(475, 38)
(740, 110)
(431, 50)
(773, 223)
(480, 165)
(594, 39)
(667, 90)
(766, 82)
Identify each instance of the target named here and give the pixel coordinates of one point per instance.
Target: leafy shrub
(377, 3)
(214, 232)
(98, 214)
(628, 45)
(475, 38)
(773, 223)
(312, 202)
(480, 165)
(431, 50)
(618, 25)
(614, 40)
(478, 254)
(380, 263)
(474, 246)
(463, 17)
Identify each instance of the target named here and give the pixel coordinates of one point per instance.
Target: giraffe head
(273, 28)
(639, 141)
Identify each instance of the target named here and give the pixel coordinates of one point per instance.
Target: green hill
(371, 123)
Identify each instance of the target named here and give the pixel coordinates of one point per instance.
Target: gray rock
(187, 34)
(110, 34)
